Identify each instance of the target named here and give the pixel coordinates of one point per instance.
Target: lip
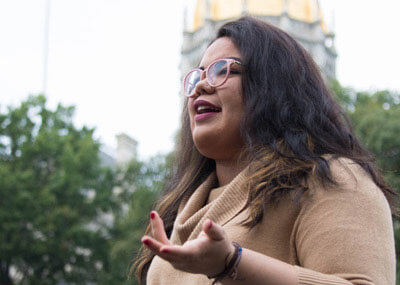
(199, 102)
(203, 116)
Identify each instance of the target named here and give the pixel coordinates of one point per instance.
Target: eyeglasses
(216, 74)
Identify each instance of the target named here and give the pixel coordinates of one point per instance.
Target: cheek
(236, 104)
(235, 114)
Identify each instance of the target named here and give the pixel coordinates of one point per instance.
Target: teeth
(201, 108)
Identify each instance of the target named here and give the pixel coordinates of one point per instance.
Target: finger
(157, 228)
(177, 253)
(213, 230)
(155, 246)
(152, 243)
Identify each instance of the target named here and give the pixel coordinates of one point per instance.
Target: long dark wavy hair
(291, 124)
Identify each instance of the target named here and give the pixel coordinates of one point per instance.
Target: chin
(205, 148)
(216, 144)
(216, 152)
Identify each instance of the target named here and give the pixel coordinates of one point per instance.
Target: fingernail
(210, 225)
(152, 215)
(164, 250)
(146, 242)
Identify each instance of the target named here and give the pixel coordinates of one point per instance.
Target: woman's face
(217, 134)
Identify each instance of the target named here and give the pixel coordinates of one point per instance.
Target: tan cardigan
(337, 235)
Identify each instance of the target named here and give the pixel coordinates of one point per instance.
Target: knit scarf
(193, 211)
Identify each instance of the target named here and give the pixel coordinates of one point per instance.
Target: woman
(267, 160)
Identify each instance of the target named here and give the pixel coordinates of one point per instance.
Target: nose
(202, 87)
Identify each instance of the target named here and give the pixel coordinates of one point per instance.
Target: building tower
(302, 19)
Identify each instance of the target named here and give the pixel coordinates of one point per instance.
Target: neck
(227, 170)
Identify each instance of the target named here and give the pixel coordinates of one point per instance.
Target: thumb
(213, 231)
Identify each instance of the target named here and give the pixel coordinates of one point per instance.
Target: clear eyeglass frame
(194, 76)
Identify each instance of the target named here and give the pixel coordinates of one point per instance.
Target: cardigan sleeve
(344, 233)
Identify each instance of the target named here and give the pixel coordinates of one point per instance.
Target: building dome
(307, 11)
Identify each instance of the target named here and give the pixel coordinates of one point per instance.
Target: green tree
(141, 184)
(56, 199)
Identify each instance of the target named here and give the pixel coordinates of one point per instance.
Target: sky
(117, 61)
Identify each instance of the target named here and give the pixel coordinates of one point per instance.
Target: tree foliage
(142, 182)
(54, 197)
(64, 218)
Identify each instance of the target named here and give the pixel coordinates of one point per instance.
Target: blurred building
(125, 152)
(302, 19)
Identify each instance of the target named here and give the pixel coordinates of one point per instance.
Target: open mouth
(207, 109)
(202, 107)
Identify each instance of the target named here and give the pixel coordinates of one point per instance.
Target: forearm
(256, 268)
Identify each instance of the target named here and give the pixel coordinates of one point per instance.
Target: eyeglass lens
(217, 73)
(191, 81)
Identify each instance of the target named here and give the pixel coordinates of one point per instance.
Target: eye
(223, 71)
(235, 71)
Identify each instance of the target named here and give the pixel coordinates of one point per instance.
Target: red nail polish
(146, 242)
(210, 225)
(152, 215)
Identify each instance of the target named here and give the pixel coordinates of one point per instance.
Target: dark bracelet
(231, 269)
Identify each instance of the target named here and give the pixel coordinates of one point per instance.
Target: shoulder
(350, 178)
(351, 218)
(354, 195)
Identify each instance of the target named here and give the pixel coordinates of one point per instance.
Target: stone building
(125, 152)
(302, 19)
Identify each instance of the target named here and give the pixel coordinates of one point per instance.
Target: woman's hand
(205, 255)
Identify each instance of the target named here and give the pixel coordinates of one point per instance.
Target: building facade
(126, 151)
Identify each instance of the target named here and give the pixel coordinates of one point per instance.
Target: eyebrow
(230, 57)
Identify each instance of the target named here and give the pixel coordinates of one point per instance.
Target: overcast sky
(117, 61)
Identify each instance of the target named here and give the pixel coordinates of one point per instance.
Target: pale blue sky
(104, 56)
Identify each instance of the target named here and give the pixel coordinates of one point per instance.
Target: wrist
(232, 261)
(230, 254)
(226, 258)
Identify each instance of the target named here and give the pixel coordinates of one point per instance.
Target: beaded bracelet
(231, 269)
